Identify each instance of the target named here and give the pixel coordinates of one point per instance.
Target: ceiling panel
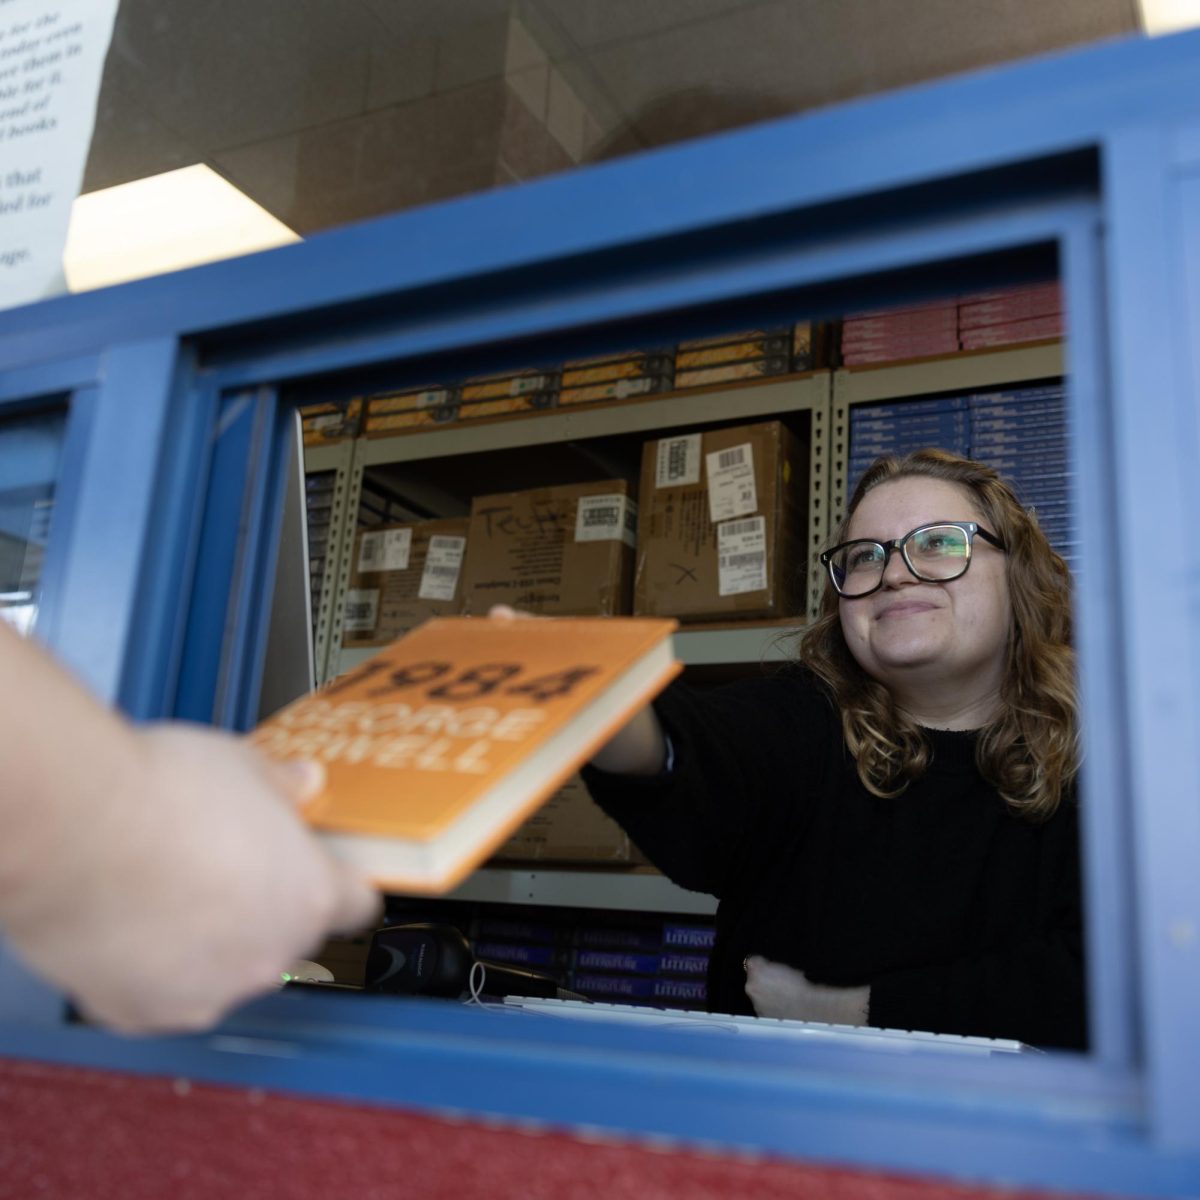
(330, 112)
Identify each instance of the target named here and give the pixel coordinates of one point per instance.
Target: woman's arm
(638, 749)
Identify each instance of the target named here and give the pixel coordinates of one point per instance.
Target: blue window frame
(1088, 163)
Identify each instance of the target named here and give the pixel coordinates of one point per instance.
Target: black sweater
(961, 917)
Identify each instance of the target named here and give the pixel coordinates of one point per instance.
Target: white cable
(475, 981)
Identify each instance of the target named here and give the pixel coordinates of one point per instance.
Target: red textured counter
(68, 1132)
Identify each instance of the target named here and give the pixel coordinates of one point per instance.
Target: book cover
(437, 747)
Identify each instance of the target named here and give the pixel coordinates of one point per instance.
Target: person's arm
(638, 749)
(745, 758)
(159, 875)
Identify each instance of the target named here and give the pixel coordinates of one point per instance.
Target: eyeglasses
(933, 553)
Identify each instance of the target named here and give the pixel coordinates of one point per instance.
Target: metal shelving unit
(827, 396)
(627, 891)
(748, 643)
(751, 643)
(327, 620)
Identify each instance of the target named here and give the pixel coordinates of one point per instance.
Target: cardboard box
(570, 827)
(722, 530)
(403, 574)
(559, 551)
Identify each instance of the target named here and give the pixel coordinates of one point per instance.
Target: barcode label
(443, 562)
(361, 611)
(601, 518)
(731, 489)
(737, 528)
(678, 461)
(385, 550)
(742, 556)
(370, 552)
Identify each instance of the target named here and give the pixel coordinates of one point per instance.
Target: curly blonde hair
(1030, 752)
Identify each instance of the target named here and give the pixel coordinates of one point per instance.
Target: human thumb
(300, 778)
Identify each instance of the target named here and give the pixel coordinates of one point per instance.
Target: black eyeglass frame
(970, 528)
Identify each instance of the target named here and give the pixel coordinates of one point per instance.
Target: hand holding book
(443, 742)
(637, 748)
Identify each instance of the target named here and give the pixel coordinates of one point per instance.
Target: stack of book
(1009, 316)
(976, 321)
(389, 413)
(507, 394)
(335, 421)
(615, 377)
(732, 357)
(906, 425)
(636, 959)
(1022, 433)
(889, 335)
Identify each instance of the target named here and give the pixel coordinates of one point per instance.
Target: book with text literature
(438, 746)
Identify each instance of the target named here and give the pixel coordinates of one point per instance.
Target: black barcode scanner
(436, 960)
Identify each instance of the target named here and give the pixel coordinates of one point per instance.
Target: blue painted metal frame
(1089, 159)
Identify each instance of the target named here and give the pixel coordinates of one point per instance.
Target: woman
(889, 825)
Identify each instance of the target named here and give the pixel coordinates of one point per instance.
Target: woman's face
(910, 634)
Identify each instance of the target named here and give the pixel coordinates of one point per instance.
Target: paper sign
(51, 60)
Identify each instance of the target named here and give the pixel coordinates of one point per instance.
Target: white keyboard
(897, 1040)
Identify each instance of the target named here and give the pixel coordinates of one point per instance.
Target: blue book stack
(903, 426)
(1022, 433)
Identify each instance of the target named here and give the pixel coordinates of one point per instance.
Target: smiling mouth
(904, 610)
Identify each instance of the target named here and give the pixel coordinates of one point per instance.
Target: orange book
(440, 745)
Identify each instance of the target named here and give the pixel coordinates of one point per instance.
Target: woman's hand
(777, 990)
(638, 748)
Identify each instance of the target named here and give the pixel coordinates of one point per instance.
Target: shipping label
(731, 490)
(443, 562)
(362, 610)
(610, 517)
(742, 556)
(678, 461)
(385, 550)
